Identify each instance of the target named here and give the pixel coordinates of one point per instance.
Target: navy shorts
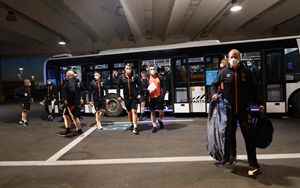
(156, 104)
(75, 110)
(26, 106)
(99, 105)
(131, 104)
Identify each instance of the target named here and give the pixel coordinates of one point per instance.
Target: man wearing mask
(238, 86)
(155, 98)
(131, 91)
(144, 94)
(25, 94)
(97, 91)
(71, 94)
(50, 100)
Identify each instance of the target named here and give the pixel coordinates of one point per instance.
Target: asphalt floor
(107, 158)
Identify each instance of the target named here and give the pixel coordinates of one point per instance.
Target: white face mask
(249, 63)
(97, 77)
(233, 62)
(152, 72)
(128, 71)
(222, 65)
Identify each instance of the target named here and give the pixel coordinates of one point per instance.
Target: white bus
(191, 67)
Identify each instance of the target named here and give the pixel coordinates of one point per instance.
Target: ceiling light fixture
(62, 43)
(235, 6)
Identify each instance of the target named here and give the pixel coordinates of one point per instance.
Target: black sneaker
(74, 133)
(64, 133)
(25, 124)
(154, 129)
(79, 132)
(135, 131)
(50, 118)
(161, 125)
(131, 128)
(254, 172)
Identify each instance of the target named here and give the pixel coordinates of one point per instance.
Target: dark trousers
(247, 132)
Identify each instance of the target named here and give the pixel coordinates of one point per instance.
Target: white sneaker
(254, 171)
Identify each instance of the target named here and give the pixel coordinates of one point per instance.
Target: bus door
(197, 84)
(181, 85)
(275, 81)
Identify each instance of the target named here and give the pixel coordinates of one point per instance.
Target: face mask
(233, 62)
(222, 65)
(249, 63)
(128, 71)
(152, 72)
(97, 77)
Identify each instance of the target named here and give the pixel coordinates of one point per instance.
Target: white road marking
(72, 144)
(138, 160)
(141, 122)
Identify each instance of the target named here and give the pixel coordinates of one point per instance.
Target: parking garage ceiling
(88, 26)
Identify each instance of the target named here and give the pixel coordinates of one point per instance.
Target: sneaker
(154, 129)
(131, 127)
(79, 132)
(254, 171)
(161, 125)
(50, 118)
(73, 134)
(21, 122)
(99, 128)
(25, 124)
(64, 133)
(231, 163)
(135, 131)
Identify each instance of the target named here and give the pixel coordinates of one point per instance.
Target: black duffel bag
(262, 129)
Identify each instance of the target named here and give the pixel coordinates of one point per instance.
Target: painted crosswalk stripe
(138, 160)
(72, 144)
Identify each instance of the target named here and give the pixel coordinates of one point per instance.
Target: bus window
(197, 69)
(181, 71)
(104, 70)
(76, 69)
(292, 64)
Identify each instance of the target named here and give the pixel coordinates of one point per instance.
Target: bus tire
(113, 107)
(294, 104)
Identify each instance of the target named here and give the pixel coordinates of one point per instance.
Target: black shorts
(156, 104)
(26, 106)
(99, 105)
(75, 110)
(131, 104)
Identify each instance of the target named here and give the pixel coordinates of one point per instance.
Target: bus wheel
(113, 107)
(294, 104)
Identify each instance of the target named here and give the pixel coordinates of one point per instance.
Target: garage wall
(32, 65)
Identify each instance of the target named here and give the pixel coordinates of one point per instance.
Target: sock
(154, 124)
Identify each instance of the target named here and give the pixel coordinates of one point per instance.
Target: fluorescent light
(236, 8)
(62, 43)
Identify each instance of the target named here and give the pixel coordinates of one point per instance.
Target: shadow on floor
(272, 174)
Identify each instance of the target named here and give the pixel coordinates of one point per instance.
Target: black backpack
(263, 130)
